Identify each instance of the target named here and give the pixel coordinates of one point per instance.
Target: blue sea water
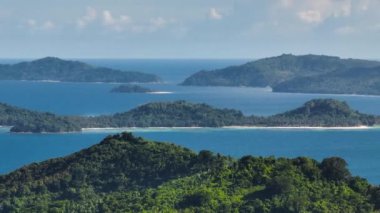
(359, 147)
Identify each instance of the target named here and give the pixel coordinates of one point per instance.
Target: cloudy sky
(188, 28)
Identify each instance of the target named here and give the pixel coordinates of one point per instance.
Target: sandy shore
(225, 127)
(160, 92)
(302, 127)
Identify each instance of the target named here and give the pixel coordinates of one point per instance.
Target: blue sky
(188, 28)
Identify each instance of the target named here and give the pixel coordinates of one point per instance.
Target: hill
(128, 174)
(178, 114)
(56, 69)
(282, 72)
(323, 112)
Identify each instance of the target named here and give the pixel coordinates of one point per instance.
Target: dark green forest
(298, 74)
(314, 113)
(124, 173)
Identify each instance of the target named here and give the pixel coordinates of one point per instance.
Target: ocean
(359, 147)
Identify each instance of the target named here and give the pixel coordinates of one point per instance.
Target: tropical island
(314, 113)
(55, 69)
(124, 173)
(127, 88)
(298, 74)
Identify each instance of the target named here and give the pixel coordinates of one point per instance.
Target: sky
(188, 28)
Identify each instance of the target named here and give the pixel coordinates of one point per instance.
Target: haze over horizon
(197, 29)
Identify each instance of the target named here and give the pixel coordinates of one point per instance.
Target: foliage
(128, 174)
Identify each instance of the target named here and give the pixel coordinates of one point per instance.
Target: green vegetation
(131, 89)
(289, 73)
(315, 113)
(175, 114)
(323, 112)
(128, 174)
(69, 71)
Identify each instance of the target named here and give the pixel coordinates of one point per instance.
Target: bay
(359, 147)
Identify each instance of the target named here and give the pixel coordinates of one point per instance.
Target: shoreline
(105, 129)
(159, 92)
(6, 129)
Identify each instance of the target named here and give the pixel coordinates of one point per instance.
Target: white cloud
(344, 9)
(31, 23)
(215, 14)
(48, 25)
(364, 4)
(152, 25)
(158, 22)
(317, 11)
(310, 16)
(287, 3)
(121, 23)
(117, 24)
(90, 16)
(44, 25)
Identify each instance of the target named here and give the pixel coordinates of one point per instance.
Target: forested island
(298, 74)
(314, 113)
(124, 173)
(127, 88)
(55, 69)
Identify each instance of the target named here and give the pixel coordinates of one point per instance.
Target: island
(124, 173)
(314, 113)
(298, 74)
(127, 88)
(55, 69)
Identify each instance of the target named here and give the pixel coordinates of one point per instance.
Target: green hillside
(128, 174)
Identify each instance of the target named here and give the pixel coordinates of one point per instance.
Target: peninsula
(55, 69)
(298, 74)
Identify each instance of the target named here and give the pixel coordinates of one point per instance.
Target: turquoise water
(359, 147)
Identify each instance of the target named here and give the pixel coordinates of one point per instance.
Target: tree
(335, 169)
